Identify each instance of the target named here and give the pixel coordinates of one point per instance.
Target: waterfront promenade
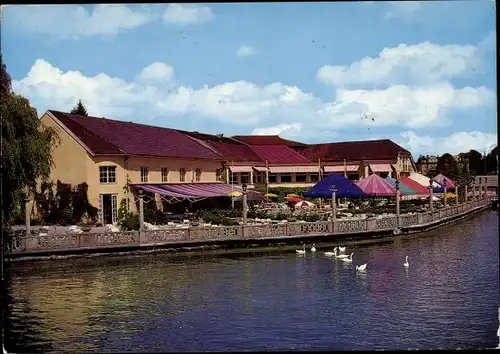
(34, 246)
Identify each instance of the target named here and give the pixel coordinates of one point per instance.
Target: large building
(109, 154)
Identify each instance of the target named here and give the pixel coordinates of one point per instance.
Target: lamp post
(334, 202)
(245, 208)
(431, 196)
(397, 205)
(140, 192)
(444, 195)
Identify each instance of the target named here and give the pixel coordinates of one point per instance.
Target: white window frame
(182, 174)
(144, 174)
(164, 174)
(110, 172)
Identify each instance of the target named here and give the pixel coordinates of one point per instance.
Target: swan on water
(303, 250)
(340, 256)
(347, 259)
(329, 254)
(361, 267)
(313, 249)
(342, 249)
(406, 264)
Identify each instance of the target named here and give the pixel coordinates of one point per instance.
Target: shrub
(129, 222)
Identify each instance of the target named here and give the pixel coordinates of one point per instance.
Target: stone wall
(40, 244)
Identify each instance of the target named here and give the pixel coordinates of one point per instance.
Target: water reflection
(447, 298)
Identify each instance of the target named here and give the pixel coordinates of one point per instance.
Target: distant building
(427, 165)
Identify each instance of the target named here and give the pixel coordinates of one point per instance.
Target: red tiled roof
(279, 154)
(105, 136)
(355, 150)
(230, 149)
(268, 140)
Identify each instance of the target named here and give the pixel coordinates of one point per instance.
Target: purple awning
(190, 190)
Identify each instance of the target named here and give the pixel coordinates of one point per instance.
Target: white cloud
(273, 107)
(245, 51)
(455, 143)
(402, 9)
(73, 21)
(188, 14)
(406, 64)
(157, 72)
(284, 130)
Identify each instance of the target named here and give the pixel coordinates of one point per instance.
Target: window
(259, 178)
(300, 177)
(233, 178)
(197, 175)
(286, 178)
(182, 174)
(245, 177)
(314, 177)
(107, 174)
(164, 174)
(272, 178)
(144, 174)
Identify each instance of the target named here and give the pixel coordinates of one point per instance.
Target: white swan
(303, 250)
(342, 249)
(348, 259)
(361, 267)
(313, 249)
(406, 264)
(340, 256)
(329, 254)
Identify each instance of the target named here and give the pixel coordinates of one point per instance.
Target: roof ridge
(69, 115)
(203, 144)
(83, 127)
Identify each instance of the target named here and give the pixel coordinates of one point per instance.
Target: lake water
(448, 298)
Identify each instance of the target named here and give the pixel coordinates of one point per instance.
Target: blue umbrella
(345, 188)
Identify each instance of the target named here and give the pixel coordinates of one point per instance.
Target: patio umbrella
(234, 194)
(304, 204)
(293, 195)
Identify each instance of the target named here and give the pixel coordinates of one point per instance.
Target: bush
(129, 223)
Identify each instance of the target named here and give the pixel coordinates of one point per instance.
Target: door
(107, 209)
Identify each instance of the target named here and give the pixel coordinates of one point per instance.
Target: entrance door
(108, 208)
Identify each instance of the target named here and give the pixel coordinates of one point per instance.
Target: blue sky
(419, 73)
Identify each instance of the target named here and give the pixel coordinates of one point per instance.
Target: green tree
(447, 165)
(26, 147)
(79, 109)
(476, 162)
(492, 160)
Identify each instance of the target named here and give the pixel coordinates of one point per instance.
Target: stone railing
(23, 244)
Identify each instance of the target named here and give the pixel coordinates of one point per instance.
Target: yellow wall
(70, 158)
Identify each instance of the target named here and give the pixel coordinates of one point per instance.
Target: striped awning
(260, 169)
(294, 169)
(189, 190)
(382, 167)
(342, 168)
(238, 169)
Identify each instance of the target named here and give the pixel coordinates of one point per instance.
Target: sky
(422, 74)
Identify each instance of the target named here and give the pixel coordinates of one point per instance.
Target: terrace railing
(24, 244)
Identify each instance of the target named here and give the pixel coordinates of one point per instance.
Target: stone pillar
(456, 194)
(444, 196)
(227, 175)
(141, 211)
(245, 207)
(397, 207)
(27, 215)
(473, 191)
(466, 194)
(480, 190)
(431, 197)
(251, 177)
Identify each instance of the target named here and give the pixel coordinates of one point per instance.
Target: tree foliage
(26, 147)
(79, 109)
(447, 165)
(492, 161)
(476, 162)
